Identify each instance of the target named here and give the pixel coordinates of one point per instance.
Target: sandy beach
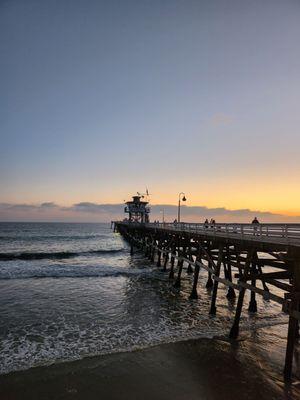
(202, 369)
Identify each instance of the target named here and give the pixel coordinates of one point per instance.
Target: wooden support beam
(272, 263)
(213, 308)
(150, 252)
(150, 244)
(166, 259)
(253, 303)
(177, 283)
(189, 268)
(158, 263)
(181, 256)
(146, 253)
(153, 251)
(207, 256)
(269, 275)
(235, 327)
(293, 324)
(279, 256)
(259, 268)
(228, 274)
(262, 264)
(209, 283)
(171, 274)
(194, 293)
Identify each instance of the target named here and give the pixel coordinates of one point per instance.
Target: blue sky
(100, 99)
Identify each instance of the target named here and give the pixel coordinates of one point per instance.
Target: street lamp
(183, 199)
(163, 215)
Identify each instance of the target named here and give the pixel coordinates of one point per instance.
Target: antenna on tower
(143, 195)
(147, 194)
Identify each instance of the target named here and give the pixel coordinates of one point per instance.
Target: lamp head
(184, 198)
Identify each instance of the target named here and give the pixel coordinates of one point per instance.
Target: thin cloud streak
(94, 212)
(221, 119)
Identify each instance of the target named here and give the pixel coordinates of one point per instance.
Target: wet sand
(196, 369)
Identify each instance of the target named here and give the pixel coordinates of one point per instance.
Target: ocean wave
(69, 271)
(59, 255)
(24, 353)
(66, 274)
(51, 237)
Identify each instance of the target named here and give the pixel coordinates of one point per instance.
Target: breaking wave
(55, 255)
(34, 238)
(68, 271)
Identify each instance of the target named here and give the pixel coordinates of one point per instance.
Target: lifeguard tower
(137, 210)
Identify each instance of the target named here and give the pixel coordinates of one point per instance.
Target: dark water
(68, 291)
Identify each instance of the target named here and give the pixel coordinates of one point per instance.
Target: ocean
(72, 290)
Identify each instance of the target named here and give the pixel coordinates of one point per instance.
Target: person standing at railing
(255, 224)
(206, 223)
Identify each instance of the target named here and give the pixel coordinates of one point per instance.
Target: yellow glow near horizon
(260, 197)
(272, 200)
(277, 194)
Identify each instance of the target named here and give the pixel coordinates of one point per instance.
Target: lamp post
(163, 215)
(179, 204)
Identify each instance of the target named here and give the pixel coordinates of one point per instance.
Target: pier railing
(287, 233)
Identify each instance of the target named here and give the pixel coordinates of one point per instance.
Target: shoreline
(180, 370)
(244, 335)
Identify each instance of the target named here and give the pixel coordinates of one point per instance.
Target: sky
(101, 99)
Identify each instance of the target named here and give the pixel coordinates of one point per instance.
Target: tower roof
(136, 200)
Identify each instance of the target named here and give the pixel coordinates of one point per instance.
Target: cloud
(7, 206)
(221, 119)
(96, 208)
(202, 210)
(49, 204)
(221, 214)
(95, 212)
(27, 207)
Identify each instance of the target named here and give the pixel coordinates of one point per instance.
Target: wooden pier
(254, 257)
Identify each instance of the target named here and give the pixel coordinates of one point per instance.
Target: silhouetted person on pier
(255, 222)
(206, 223)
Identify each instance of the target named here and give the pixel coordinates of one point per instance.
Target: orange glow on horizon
(266, 194)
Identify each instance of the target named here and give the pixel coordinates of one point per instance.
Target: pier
(254, 257)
